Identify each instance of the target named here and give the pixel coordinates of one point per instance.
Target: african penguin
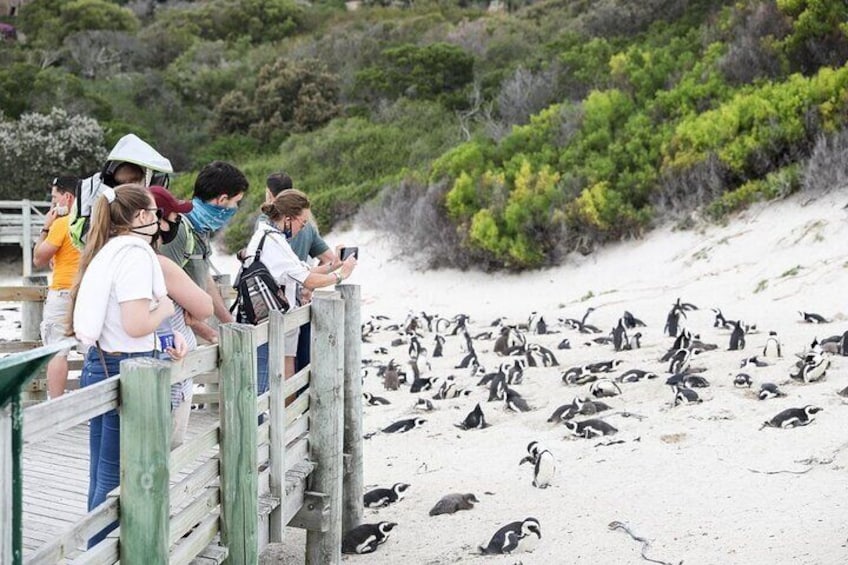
(366, 538)
(737, 336)
(683, 395)
(619, 335)
(374, 400)
(589, 407)
(590, 428)
(515, 401)
(769, 390)
(544, 465)
(404, 425)
(603, 388)
(635, 375)
(515, 536)
(380, 497)
(695, 381)
(603, 366)
(755, 361)
(792, 417)
(813, 318)
(454, 502)
(772, 347)
(742, 380)
(475, 420)
(423, 405)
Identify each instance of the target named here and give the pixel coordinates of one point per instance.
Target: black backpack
(257, 292)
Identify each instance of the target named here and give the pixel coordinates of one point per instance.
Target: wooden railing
(212, 496)
(20, 222)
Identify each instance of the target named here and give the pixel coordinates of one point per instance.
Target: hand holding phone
(346, 252)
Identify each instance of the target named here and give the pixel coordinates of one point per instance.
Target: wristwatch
(338, 277)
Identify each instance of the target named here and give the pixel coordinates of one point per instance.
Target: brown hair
(289, 203)
(109, 219)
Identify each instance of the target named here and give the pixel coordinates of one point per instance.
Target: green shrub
(778, 184)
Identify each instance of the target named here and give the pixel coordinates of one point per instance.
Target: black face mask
(168, 236)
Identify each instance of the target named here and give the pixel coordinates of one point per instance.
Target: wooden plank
(298, 428)
(5, 484)
(298, 316)
(263, 402)
(77, 535)
(195, 482)
(188, 517)
(296, 382)
(195, 543)
(69, 410)
(299, 452)
(193, 448)
(326, 430)
(296, 480)
(145, 452)
(353, 483)
(239, 532)
(202, 360)
(32, 311)
(18, 346)
(23, 293)
(104, 553)
(297, 408)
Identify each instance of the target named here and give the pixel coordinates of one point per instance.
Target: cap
(168, 202)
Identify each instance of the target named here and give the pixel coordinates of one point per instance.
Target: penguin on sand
(683, 395)
(374, 400)
(454, 502)
(514, 537)
(813, 318)
(402, 426)
(737, 336)
(769, 390)
(590, 428)
(365, 538)
(474, 421)
(515, 401)
(772, 347)
(792, 417)
(544, 464)
(742, 380)
(380, 497)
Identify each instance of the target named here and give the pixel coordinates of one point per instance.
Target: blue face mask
(206, 217)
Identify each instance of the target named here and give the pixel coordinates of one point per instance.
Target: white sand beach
(702, 483)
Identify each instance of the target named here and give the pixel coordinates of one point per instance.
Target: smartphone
(346, 252)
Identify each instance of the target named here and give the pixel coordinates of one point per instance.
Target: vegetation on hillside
(500, 139)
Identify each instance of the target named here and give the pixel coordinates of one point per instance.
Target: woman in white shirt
(117, 302)
(287, 214)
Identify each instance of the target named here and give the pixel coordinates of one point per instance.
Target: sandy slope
(701, 482)
(691, 479)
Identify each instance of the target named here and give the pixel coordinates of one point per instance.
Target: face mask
(287, 231)
(153, 236)
(206, 217)
(173, 227)
(61, 210)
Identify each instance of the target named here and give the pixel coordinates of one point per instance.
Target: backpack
(257, 292)
(128, 149)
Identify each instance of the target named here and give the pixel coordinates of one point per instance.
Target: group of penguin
(511, 344)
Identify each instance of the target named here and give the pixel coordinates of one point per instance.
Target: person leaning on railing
(287, 214)
(118, 301)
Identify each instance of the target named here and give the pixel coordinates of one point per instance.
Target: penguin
(772, 347)
(590, 428)
(769, 390)
(445, 388)
(537, 324)
(398, 341)
(564, 412)
(438, 347)
(422, 384)
(630, 321)
(454, 502)
(695, 381)
(374, 400)
(423, 405)
(460, 323)
(603, 366)
(564, 344)
(635, 375)
(469, 359)
(792, 417)
(515, 402)
(604, 388)
(570, 374)
(619, 335)
(589, 407)
(381, 351)
(742, 380)
(843, 344)
(544, 466)
(755, 361)
(475, 420)
(365, 538)
(679, 361)
(404, 425)
(515, 536)
(676, 379)
(843, 392)
(814, 368)
(683, 395)
(813, 318)
(391, 378)
(634, 342)
(538, 356)
(672, 322)
(720, 320)
(497, 388)
(414, 347)
(380, 497)
(737, 337)
(582, 379)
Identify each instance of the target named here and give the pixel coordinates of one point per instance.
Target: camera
(346, 252)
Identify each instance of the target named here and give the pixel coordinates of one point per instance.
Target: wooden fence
(211, 498)
(20, 223)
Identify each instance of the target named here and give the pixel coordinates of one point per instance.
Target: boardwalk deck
(56, 480)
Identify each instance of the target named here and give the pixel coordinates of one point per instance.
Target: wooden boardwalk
(56, 480)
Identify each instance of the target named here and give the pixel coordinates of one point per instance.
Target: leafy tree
(39, 146)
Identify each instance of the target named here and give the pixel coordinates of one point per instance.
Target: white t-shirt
(131, 273)
(279, 259)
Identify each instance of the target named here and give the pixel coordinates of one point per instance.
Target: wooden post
(5, 484)
(326, 433)
(277, 414)
(239, 488)
(353, 482)
(32, 312)
(145, 450)
(26, 236)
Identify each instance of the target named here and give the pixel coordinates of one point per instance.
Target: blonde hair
(108, 219)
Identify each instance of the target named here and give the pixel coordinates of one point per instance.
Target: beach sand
(702, 483)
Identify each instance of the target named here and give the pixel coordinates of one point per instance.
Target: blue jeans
(262, 369)
(104, 435)
(304, 343)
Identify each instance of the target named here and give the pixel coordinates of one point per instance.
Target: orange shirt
(66, 260)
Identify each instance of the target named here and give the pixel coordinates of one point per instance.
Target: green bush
(778, 184)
